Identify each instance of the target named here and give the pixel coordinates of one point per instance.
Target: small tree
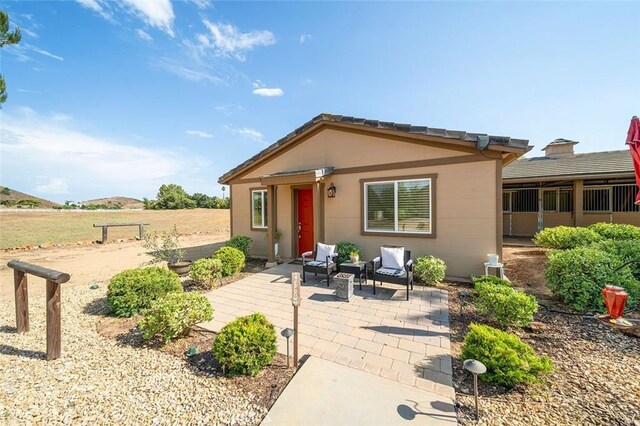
(6, 38)
(173, 197)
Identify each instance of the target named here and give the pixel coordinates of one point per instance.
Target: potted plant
(165, 247)
(277, 236)
(354, 256)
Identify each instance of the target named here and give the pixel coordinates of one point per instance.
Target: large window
(399, 206)
(259, 209)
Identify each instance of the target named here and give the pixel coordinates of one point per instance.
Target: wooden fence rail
(54, 279)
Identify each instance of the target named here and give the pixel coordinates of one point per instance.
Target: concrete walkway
(385, 335)
(325, 393)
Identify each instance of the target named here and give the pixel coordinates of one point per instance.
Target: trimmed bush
(246, 345)
(430, 270)
(241, 243)
(509, 360)
(344, 249)
(232, 260)
(626, 251)
(133, 290)
(206, 271)
(175, 315)
(616, 231)
(565, 237)
(491, 279)
(508, 307)
(578, 276)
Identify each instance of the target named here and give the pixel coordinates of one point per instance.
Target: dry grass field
(20, 229)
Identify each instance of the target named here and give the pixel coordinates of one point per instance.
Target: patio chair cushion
(323, 251)
(317, 263)
(392, 272)
(392, 257)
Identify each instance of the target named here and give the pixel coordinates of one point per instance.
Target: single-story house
(565, 188)
(374, 183)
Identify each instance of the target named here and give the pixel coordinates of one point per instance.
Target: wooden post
(22, 301)
(104, 234)
(295, 301)
(54, 346)
(295, 337)
(141, 231)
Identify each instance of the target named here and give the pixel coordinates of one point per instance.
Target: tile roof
(592, 163)
(478, 138)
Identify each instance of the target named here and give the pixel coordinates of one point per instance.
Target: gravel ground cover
(103, 381)
(596, 378)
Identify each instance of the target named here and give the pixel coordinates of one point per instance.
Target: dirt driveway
(95, 263)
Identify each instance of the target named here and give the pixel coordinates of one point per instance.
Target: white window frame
(263, 213)
(395, 207)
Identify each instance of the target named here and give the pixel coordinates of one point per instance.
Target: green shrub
(509, 360)
(175, 315)
(565, 237)
(241, 243)
(246, 345)
(578, 276)
(344, 249)
(508, 307)
(133, 290)
(616, 231)
(206, 271)
(232, 260)
(430, 270)
(626, 251)
(492, 279)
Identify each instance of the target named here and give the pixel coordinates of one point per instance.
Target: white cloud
(306, 81)
(266, 91)
(227, 40)
(96, 6)
(21, 51)
(44, 52)
(192, 72)
(143, 35)
(60, 117)
(304, 37)
(157, 13)
(54, 186)
(86, 163)
(248, 133)
(202, 4)
(229, 109)
(199, 133)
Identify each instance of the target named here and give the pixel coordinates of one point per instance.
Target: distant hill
(125, 202)
(12, 198)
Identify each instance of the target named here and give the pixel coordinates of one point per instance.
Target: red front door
(305, 221)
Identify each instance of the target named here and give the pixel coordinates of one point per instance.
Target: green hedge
(578, 276)
(508, 307)
(430, 270)
(133, 290)
(246, 345)
(509, 360)
(175, 315)
(206, 271)
(491, 279)
(232, 260)
(241, 243)
(565, 237)
(616, 231)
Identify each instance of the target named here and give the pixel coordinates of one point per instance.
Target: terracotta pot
(181, 268)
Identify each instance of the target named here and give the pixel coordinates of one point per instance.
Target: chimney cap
(560, 141)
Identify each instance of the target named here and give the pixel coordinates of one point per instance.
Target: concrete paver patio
(405, 341)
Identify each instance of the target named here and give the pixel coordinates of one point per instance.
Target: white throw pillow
(392, 257)
(324, 250)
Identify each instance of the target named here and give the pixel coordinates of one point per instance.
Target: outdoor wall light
(287, 333)
(331, 191)
(476, 368)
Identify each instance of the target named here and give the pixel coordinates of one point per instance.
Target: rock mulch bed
(596, 378)
(103, 381)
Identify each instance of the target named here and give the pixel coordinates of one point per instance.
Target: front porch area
(385, 335)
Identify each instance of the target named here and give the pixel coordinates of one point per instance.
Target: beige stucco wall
(465, 198)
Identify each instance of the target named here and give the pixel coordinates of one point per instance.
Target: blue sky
(117, 97)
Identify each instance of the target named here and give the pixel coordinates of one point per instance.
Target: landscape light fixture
(476, 368)
(286, 333)
(331, 191)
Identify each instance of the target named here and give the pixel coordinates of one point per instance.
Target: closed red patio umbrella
(633, 140)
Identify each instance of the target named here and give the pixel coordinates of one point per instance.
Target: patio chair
(394, 265)
(321, 261)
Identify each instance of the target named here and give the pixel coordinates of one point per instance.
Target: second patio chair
(394, 265)
(324, 260)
